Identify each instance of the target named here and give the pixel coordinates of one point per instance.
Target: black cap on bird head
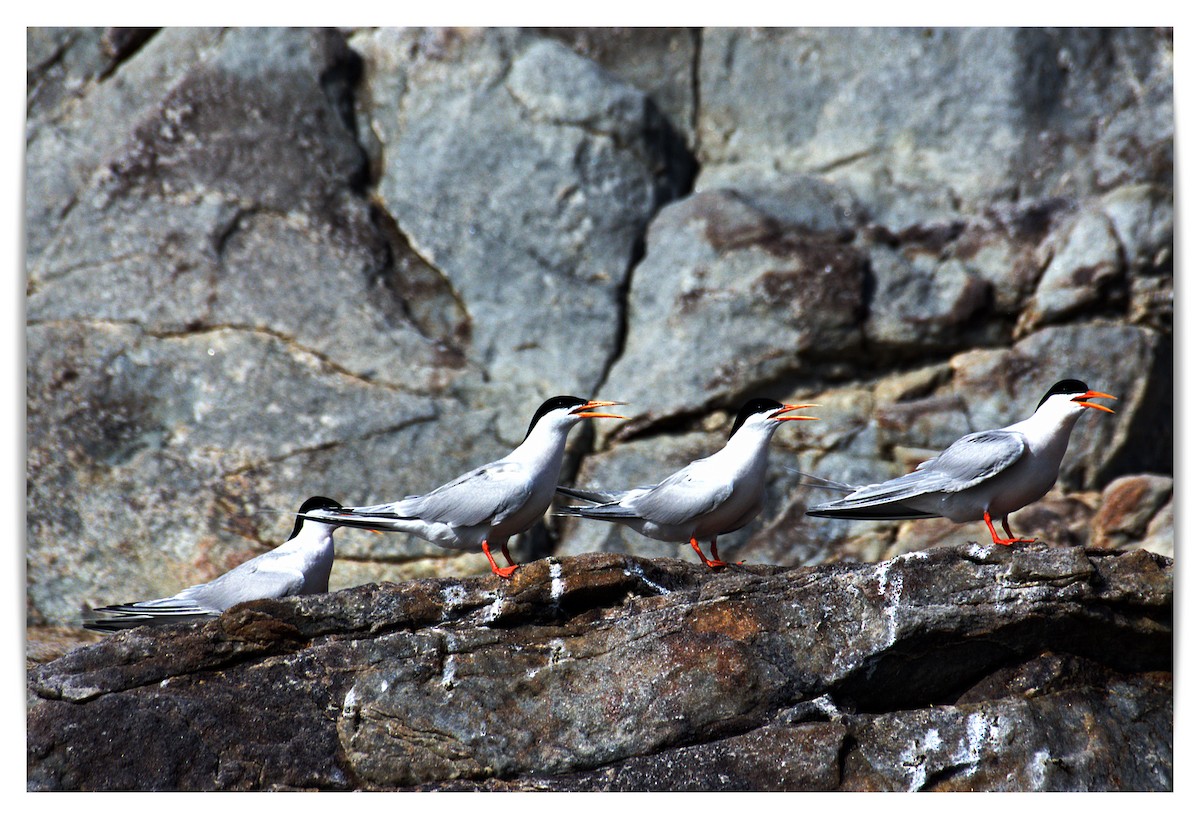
(753, 407)
(315, 502)
(1068, 386)
(551, 404)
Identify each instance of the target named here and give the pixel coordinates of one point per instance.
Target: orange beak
(792, 407)
(583, 412)
(1093, 394)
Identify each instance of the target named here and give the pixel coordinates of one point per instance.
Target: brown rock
(1127, 507)
(612, 672)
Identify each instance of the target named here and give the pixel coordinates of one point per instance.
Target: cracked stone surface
(926, 123)
(957, 668)
(264, 264)
(552, 167)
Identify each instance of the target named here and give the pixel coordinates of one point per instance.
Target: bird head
(569, 410)
(313, 503)
(766, 414)
(1071, 396)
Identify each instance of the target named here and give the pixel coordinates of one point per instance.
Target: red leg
(716, 557)
(507, 556)
(487, 552)
(1014, 538)
(996, 539)
(712, 564)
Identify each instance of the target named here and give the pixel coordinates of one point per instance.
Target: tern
(981, 476)
(708, 497)
(300, 566)
(488, 505)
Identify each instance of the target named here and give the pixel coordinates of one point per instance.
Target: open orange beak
(791, 408)
(583, 412)
(1093, 394)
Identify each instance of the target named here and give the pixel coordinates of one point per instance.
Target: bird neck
(315, 536)
(1048, 429)
(542, 448)
(747, 451)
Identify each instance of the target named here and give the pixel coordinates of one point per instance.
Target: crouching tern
(487, 506)
(300, 566)
(708, 497)
(981, 476)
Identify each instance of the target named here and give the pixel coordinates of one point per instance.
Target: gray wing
(590, 495)
(679, 499)
(974, 458)
(489, 493)
(132, 615)
(265, 576)
(969, 461)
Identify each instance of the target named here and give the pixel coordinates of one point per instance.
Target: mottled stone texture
(956, 668)
(266, 264)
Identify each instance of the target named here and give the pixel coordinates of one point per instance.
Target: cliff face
(957, 668)
(267, 264)
(270, 264)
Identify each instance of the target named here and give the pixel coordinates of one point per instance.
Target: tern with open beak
(708, 497)
(300, 566)
(981, 476)
(488, 505)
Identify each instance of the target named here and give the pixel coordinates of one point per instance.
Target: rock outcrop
(956, 668)
(266, 264)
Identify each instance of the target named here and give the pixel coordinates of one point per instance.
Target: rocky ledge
(957, 668)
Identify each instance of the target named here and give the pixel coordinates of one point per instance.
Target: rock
(1085, 271)
(660, 61)
(782, 294)
(918, 308)
(1127, 509)
(1143, 218)
(944, 669)
(76, 122)
(397, 242)
(1006, 247)
(935, 122)
(46, 643)
(1042, 726)
(1160, 533)
(553, 167)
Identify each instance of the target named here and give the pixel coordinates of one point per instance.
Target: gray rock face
(268, 264)
(552, 168)
(779, 292)
(922, 121)
(248, 326)
(965, 668)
